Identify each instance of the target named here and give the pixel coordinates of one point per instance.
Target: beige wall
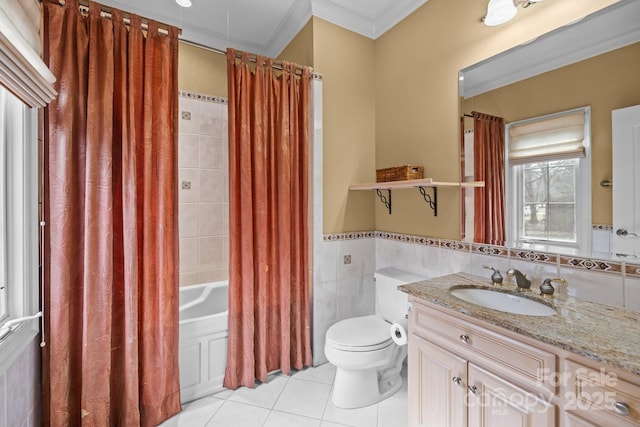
(416, 100)
(201, 70)
(394, 101)
(588, 83)
(300, 49)
(346, 62)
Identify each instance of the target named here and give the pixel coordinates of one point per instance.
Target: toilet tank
(391, 304)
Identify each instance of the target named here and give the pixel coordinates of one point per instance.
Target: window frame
(20, 207)
(514, 197)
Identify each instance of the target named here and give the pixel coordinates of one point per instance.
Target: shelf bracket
(432, 201)
(386, 200)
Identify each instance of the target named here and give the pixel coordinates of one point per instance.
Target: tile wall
(348, 290)
(20, 390)
(204, 189)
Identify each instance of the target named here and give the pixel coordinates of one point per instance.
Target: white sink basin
(502, 301)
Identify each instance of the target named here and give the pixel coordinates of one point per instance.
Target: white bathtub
(203, 339)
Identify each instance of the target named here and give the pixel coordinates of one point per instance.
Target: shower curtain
(110, 207)
(269, 283)
(488, 162)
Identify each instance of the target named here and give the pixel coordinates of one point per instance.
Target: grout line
(326, 403)
(215, 412)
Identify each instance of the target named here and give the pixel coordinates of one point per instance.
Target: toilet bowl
(368, 362)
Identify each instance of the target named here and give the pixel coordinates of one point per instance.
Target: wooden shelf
(420, 184)
(414, 183)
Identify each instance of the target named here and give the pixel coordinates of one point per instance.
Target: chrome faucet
(521, 279)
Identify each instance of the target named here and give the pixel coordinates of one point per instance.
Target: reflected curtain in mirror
(269, 284)
(488, 161)
(110, 207)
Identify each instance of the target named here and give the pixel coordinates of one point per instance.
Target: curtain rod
(277, 64)
(105, 11)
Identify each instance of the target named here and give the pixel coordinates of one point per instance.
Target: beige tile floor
(299, 400)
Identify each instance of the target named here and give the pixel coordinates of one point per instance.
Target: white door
(626, 181)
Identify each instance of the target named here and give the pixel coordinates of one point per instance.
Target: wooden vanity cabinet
(463, 375)
(600, 396)
(466, 372)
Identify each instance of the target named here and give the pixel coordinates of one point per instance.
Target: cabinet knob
(457, 380)
(465, 339)
(473, 389)
(621, 408)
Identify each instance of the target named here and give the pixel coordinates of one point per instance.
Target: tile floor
(299, 400)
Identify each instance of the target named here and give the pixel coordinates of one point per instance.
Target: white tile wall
(204, 208)
(341, 291)
(632, 293)
(20, 393)
(594, 286)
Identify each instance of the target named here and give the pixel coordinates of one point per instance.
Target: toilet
(367, 360)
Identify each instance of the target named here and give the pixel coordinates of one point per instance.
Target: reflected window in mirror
(549, 168)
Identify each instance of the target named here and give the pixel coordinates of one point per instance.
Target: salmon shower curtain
(110, 206)
(269, 285)
(488, 157)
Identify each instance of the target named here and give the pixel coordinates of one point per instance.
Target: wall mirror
(593, 62)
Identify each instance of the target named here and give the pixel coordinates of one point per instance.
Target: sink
(503, 301)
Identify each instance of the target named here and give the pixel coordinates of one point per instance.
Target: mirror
(594, 62)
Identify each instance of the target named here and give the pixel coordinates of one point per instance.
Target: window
(30, 85)
(550, 182)
(18, 220)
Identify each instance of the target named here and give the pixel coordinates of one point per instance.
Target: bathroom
(385, 102)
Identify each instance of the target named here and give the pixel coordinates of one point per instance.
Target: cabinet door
(437, 386)
(493, 401)
(572, 420)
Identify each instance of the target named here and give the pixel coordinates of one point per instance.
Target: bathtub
(203, 339)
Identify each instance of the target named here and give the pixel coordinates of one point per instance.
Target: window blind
(22, 71)
(553, 138)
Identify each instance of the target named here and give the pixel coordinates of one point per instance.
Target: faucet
(547, 288)
(521, 279)
(496, 277)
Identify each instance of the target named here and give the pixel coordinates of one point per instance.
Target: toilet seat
(365, 333)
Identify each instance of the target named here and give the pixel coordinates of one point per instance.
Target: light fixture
(501, 11)
(184, 3)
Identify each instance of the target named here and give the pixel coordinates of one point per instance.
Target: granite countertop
(609, 335)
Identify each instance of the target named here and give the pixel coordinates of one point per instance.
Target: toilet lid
(365, 331)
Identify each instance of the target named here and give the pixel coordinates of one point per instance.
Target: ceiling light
(184, 3)
(499, 12)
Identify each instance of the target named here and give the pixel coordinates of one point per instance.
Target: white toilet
(367, 360)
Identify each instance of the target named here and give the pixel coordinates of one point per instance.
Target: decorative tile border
(603, 266)
(632, 270)
(427, 241)
(348, 236)
(500, 251)
(606, 227)
(398, 237)
(533, 256)
(591, 264)
(455, 245)
(203, 97)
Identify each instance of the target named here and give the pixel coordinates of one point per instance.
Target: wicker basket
(399, 173)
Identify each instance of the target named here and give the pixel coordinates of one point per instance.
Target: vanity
(574, 363)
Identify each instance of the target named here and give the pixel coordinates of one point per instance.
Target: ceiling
(267, 26)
